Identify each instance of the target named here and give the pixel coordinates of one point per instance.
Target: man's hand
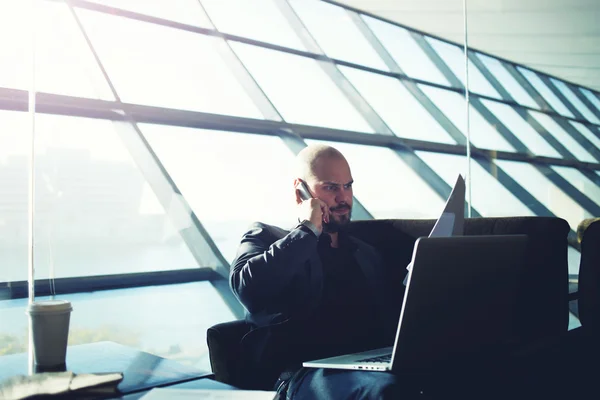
(314, 210)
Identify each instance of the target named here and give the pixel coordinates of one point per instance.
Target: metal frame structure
(127, 116)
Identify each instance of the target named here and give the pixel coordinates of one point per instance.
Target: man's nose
(343, 196)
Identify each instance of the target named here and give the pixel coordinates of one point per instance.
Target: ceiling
(559, 37)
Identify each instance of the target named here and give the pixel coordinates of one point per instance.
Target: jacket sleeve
(265, 266)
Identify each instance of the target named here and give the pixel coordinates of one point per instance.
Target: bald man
(314, 291)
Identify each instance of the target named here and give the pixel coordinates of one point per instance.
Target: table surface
(141, 371)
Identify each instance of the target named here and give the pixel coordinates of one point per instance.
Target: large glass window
(399, 42)
(490, 197)
(454, 57)
(483, 135)
(345, 42)
(64, 63)
(300, 90)
(546, 93)
(580, 181)
(150, 319)
(400, 193)
(521, 129)
(595, 139)
(498, 69)
(400, 110)
(159, 66)
(15, 141)
(256, 19)
(184, 11)
(544, 191)
(582, 108)
(229, 179)
(591, 97)
(563, 137)
(95, 212)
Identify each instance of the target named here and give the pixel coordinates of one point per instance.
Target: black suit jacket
(278, 277)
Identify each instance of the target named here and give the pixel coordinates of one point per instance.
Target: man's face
(332, 183)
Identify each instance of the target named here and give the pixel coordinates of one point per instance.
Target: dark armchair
(542, 316)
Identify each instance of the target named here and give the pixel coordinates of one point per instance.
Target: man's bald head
(309, 159)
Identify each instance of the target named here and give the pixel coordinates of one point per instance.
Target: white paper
(167, 394)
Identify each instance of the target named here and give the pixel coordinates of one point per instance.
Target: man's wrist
(312, 227)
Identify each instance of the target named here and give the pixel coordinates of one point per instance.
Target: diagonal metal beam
(199, 242)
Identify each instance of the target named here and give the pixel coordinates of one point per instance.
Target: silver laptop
(458, 304)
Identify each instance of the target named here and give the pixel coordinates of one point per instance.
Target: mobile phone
(304, 192)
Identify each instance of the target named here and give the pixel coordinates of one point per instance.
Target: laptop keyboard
(379, 359)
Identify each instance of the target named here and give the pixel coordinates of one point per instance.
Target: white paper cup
(50, 329)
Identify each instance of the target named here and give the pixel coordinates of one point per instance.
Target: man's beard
(337, 222)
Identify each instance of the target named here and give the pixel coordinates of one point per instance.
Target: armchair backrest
(589, 275)
(543, 297)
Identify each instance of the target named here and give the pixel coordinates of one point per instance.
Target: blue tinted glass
(580, 181)
(540, 187)
(454, 57)
(300, 90)
(521, 129)
(452, 104)
(151, 319)
(546, 93)
(490, 198)
(594, 138)
(513, 87)
(184, 11)
(582, 108)
(397, 106)
(591, 97)
(563, 137)
(345, 41)
(146, 68)
(236, 166)
(257, 19)
(405, 51)
(64, 63)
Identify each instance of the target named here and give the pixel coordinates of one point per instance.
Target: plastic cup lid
(50, 306)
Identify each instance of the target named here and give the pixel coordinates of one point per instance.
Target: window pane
(184, 11)
(146, 68)
(587, 133)
(563, 137)
(256, 19)
(574, 260)
(452, 104)
(405, 51)
(151, 319)
(95, 213)
(521, 129)
(64, 62)
(498, 69)
(384, 197)
(229, 179)
(582, 108)
(546, 93)
(15, 139)
(591, 97)
(345, 42)
(454, 57)
(545, 191)
(580, 181)
(490, 197)
(397, 106)
(299, 89)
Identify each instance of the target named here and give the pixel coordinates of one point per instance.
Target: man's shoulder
(260, 228)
